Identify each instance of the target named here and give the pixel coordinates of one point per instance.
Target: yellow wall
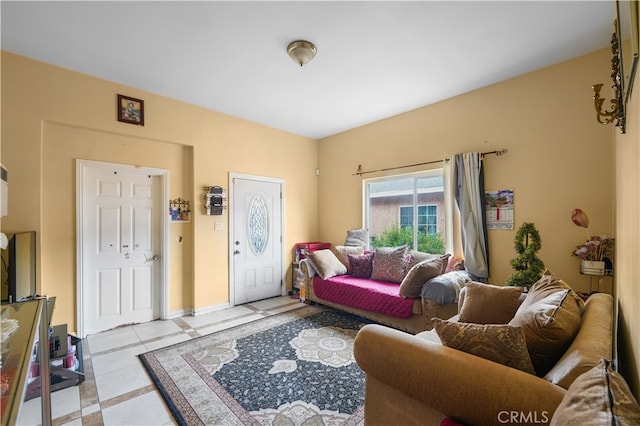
(627, 178)
(559, 158)
(52, 116)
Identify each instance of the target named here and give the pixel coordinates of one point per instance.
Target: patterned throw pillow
(411, 285)
(598, 397)
(361, 265)
(390, 264)
(499, 343)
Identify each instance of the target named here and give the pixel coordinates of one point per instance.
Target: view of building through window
(407, 209)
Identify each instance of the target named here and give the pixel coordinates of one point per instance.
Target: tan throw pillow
(326, 263)
(411, 285)
(550, 318)
(419, 256)
(499, 343)
(489, 304)
(390, 264)
(343, 252)
(598, 397)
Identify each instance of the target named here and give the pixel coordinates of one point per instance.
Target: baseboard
(209, 309)
(180, 313)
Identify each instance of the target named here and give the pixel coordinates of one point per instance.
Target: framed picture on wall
(130, 110)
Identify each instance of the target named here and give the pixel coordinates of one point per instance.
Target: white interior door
(256, 236)
(120, 238)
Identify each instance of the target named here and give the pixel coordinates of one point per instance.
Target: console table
(24, 324)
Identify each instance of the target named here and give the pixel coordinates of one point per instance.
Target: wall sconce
(214, 200)
(616, 113)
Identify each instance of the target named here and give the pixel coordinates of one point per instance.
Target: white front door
(120, 239)
(256, 238)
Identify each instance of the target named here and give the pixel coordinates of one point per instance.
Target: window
(427, 218)
(406, 209)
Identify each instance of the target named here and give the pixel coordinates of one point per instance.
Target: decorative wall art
(179, 210)
(130, 110)
(499, 206)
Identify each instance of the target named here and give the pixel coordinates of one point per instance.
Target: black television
(22, 266)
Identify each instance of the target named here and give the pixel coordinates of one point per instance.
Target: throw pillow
(411, 285)
(357, 237)
(455, 264)
(343, 252)
(389, 264)
(419, 256)
(361, 266)
(546, 285)
(598, 397)
(489, 304)
(499, 343)
(445, 288)
(326, 263)
(550, 318)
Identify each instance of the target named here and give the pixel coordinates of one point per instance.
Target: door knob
(236, 252)
(155, 257)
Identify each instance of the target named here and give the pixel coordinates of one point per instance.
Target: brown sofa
(415, 380)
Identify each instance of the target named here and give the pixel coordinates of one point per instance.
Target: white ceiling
(375, 59)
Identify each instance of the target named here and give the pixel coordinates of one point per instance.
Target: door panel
(120, 236)
(257, 237)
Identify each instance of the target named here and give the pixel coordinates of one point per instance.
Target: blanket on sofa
(363, 293)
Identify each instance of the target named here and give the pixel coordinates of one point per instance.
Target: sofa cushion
(357, 237)
(489, 304)
(445, 288)
(411, 285)
(326, 263)
(550, 319)
(598, 397)
(455, 264)
(390, 264)
(343, 252)
(419, 256)
(361, 266)
(500, 343)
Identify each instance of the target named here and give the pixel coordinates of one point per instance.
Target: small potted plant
(596, 252)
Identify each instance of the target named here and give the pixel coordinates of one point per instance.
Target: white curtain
(452, 222)
(469, 195)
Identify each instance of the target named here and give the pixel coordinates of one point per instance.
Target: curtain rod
(359, 172)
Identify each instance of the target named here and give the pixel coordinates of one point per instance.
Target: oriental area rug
(295, 368)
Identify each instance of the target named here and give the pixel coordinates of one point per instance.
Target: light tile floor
(117, 389)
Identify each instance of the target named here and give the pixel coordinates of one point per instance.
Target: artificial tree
(528, 267)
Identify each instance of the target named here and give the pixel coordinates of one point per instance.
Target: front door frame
(232, 274)
(163, 174)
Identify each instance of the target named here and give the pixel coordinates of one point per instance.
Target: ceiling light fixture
(301, 51)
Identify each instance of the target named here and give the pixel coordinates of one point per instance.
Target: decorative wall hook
(180, 210)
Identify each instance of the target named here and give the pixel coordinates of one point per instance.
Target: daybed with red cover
(381, 300)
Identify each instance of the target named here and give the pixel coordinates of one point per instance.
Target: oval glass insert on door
(258, 225)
